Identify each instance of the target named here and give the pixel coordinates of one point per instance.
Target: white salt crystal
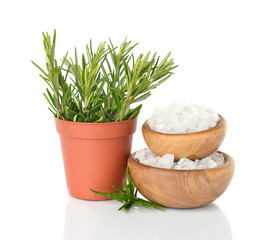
(196, 164)
(186, 164)
(211, 164)
(140, 155)
(145, 156)
(205, 160)
(180, 162)
(157, 164)
(218, 158)
(149, 153)
(181, 117)
(151, 159)
(167, 160)
(148, 161)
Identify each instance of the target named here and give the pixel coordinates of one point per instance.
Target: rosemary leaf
(128, 195)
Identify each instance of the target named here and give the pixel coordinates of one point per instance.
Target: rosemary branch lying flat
(128, 195)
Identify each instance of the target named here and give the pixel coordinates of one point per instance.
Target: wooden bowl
(181, 188)
(190, 145)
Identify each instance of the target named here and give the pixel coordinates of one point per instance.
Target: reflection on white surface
(101, 220)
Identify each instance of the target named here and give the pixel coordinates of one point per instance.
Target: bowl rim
(221, 123)
(228, 161)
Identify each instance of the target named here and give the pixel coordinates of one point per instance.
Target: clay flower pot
(95, 155)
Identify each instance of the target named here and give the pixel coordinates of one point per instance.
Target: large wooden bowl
(190, 145)
(181, 188)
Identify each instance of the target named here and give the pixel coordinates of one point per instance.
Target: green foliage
(128, 195)
(104, 84)
(59, 93)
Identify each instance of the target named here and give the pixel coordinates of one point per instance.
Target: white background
(224, 52)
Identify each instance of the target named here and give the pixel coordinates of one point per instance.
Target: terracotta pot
(95, 155)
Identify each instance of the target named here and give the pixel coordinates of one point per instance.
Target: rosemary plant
(104, 85)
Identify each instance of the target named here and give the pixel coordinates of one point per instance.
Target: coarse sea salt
(180, 117)
(145, 156)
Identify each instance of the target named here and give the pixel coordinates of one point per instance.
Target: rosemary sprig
(128, 195)
(59, 94)
(131, 80)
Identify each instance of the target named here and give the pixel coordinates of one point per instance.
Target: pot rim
(94, 131)
(92, 123)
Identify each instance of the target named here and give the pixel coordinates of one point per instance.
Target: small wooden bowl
(181, 188)
(195, 145)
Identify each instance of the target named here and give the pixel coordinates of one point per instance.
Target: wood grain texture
(191, 145)
(181, 188)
